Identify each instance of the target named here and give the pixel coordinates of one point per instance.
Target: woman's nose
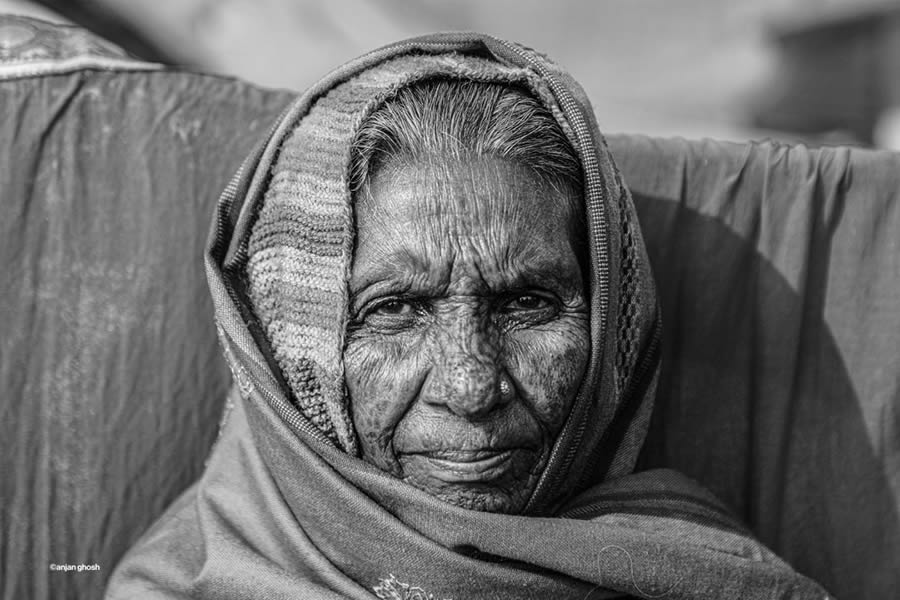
(467, 376)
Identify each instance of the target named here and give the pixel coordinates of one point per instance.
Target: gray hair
(460, 119)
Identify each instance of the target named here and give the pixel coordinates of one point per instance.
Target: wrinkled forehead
(446, 193)
(501, 210)
(489, 223)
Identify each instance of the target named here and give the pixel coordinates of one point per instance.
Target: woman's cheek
(380, 380)
(549, 363)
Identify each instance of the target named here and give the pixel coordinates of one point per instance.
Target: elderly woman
(435, 300)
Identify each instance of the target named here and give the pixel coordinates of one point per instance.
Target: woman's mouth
(466, 466)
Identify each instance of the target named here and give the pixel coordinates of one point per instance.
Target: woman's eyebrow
(557, 279)
(394, 274)
(396, 264)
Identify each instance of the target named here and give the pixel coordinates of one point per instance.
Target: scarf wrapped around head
(287, 509)
(301, 245)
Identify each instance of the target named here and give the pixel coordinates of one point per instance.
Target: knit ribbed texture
(300, 247)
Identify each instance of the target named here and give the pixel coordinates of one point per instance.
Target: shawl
(285, 508)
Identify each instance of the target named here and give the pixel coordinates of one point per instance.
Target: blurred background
(817, 71)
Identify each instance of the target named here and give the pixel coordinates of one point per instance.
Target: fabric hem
(70, 65)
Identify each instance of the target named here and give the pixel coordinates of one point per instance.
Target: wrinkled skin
(464, 274)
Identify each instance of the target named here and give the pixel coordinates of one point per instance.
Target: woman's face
(468, 332)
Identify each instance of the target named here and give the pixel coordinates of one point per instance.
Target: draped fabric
(112, 383)
(281, 510)
(778, 274)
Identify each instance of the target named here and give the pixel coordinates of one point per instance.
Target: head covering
(300, 250)
(285, 507)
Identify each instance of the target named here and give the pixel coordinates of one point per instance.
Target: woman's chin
(496, 482)
(480, 497)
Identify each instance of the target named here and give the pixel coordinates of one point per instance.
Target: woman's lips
(465, 466)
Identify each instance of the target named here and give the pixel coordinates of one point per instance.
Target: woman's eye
(395, 308)
(527, 302)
